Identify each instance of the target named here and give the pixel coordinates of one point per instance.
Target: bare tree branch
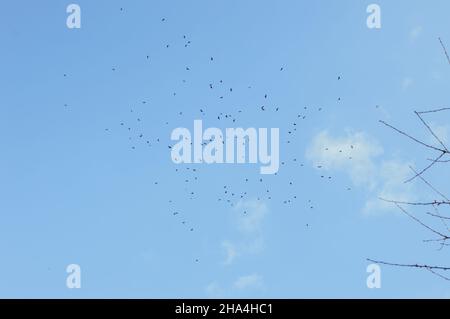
(438, 203)
(435, 111)
(409, 265)
(443, 236)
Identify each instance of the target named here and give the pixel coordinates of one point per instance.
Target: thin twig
(445, 237)
(412, 138)
(409, 265)
(438, 216)
(445, 50)
(438, 203)
(431, 131)
(426, 168)
(429, 185)
(435, 111)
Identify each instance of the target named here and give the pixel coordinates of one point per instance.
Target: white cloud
(253, 281)
(251, 220)
(248, 218)
(358, 155)
(353, 153)
(392, 175)
(230, 251)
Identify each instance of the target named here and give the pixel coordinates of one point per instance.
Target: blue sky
(80, 188)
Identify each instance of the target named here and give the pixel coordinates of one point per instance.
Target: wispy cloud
(243, 284)
(214, 289)
(248, 219)
(250, 216)
(415, 32)
(253, 281)
(391, 177)
(230, 252)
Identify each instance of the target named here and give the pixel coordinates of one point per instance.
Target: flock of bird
(190, 177)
